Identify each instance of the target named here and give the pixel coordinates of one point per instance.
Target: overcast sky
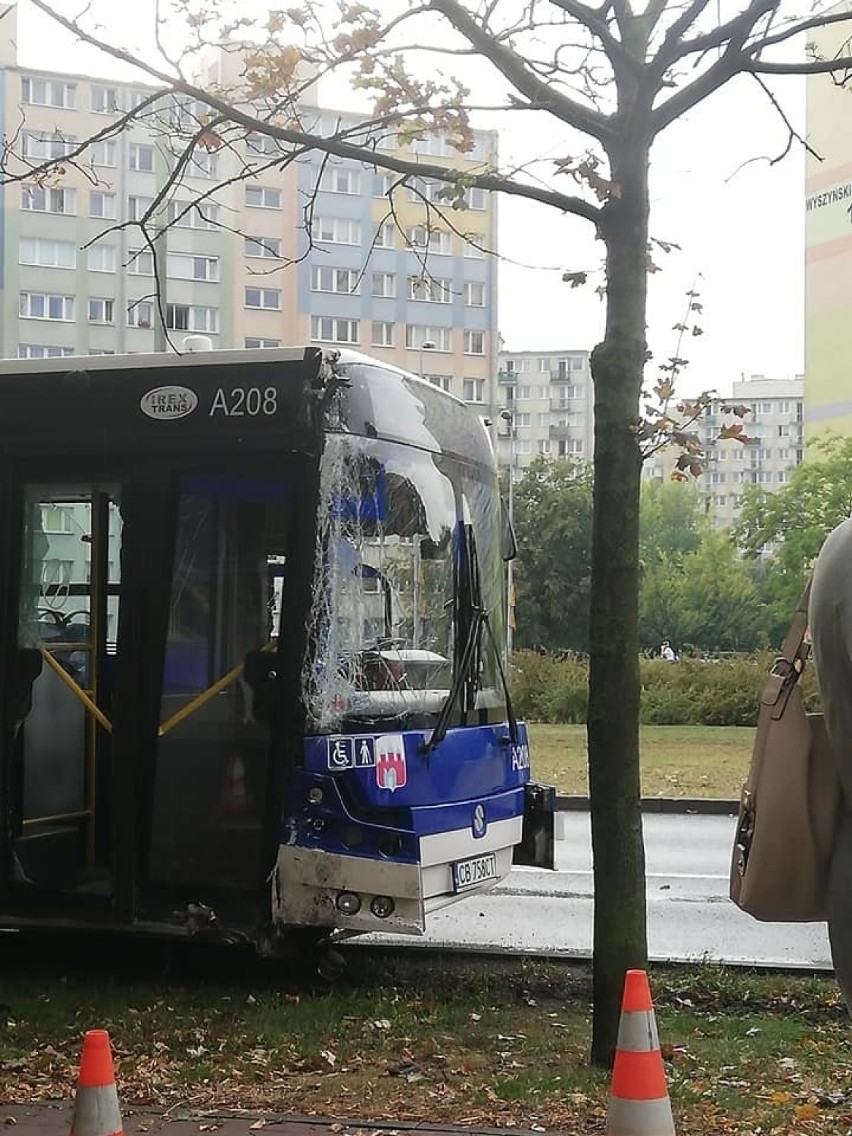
(739, 222)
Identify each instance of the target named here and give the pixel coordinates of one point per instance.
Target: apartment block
(828, 241)
(264, 246)
(548, 404)
(773, 422)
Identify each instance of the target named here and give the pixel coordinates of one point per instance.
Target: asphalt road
(689, 914)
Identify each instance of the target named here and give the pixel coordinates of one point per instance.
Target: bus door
(60, 686)
(228, 580)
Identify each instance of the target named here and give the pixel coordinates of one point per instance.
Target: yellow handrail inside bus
(77, 690)
(204, 697)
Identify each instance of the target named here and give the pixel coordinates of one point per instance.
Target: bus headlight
(348, 902)
(382, 906)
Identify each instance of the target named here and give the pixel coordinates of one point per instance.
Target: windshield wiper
(469, 619)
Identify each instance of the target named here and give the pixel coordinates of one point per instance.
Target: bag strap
(792, 650)
(788, 666)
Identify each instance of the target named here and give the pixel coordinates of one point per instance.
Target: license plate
(477, 870)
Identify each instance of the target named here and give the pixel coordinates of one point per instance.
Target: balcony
(507, 378)
(561, 433)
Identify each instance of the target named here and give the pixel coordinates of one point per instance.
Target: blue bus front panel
(378, 833)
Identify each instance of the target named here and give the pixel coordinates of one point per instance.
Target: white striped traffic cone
(639, 1102)
(96, 1111)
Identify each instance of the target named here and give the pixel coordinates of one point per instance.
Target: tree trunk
(620, 940)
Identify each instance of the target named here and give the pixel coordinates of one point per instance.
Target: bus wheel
(330, 963)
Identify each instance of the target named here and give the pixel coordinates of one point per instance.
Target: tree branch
(730, 63)
(250, 122)
(512, 68)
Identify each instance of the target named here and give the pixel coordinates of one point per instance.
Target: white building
(773, 422)
(548, 396)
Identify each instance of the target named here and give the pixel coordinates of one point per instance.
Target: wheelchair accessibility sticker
(385, 754)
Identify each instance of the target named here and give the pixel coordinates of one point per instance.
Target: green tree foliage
(670, 515)
(695, 590)
(553, 523)
(782, 532)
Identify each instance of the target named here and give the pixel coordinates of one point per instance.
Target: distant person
(667, 652)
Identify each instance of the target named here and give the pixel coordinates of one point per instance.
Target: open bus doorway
(59, 701)
(213, 749)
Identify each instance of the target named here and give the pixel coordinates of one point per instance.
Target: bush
(692, 692)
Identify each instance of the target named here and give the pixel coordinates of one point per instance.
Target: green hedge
(687, 693)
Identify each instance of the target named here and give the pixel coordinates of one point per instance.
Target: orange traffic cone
(96, 1111)
(235, 800)
(639, 1103)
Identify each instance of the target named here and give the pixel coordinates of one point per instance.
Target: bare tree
(612, 78)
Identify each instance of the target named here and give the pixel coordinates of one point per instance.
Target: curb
(702, 806)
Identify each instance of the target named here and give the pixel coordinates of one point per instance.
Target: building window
(140, 262)
(384, 237)
(473, 390)
(382, 333)
(48, 92)
(137, 207)
(101, 310)
(191, 317)
(141, 314)
(474, 343)
(266, 298)
(523, 393)
(45, 306)
(425, 239)
(445, 382)
(259, 144)
(105, 100)
(263, 197)
(476, 198)
(545, 446)
(384, 183)
(430, 290)
(384, 284)
(255, 341)
(434, 145)
(266, 248)
(47, 253)
(341, 280)
(202, 164)
(184, 266)
(57, 518)
(104, 153)
(42, 351)
(474, 246)
(336, 230)
(102, 204)
(422, 189)
(416, 335)
(340, 180)
(39, 146)
(568, 446)
(37, 199)
(186, 214)
(140, 157)
(474, 294)
(327, 329)
(102, 258)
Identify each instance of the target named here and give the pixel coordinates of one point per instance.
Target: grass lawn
(677, 761)
(415, 1038)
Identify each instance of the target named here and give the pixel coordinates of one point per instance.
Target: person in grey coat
(830, 618)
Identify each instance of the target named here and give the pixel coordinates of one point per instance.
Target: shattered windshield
(384, 626)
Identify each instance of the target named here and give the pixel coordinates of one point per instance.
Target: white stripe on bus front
(460, 843)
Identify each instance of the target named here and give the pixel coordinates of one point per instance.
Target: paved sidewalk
(55, 1120)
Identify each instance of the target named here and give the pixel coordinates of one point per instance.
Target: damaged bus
(252, 655)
